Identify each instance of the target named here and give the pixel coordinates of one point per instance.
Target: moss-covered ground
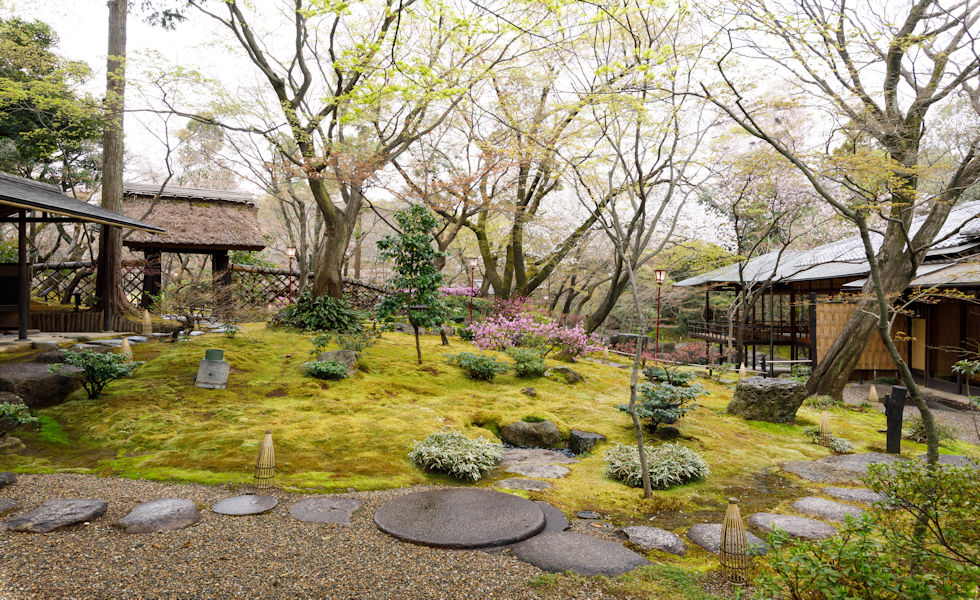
(356, 433)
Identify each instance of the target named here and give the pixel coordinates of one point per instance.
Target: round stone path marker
(588, 514)
(708, 536)
(798, 527)
(7, 505)
(325, 510)
(54, 514)
(543, 471)
(249, 504)
(821, 508)
(167, 514)
(586, 555)
(654, 538)
(862, 495)
(528, 485)
(460, 518)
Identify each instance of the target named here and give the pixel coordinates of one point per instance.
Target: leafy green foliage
(248, 257)
(456, 455)
(325, 369)
(14, 415)
(465, 333)
(915, 430)
(668, 465)
(480, 367)
(836, 444)
(528, 362)
(800, 373)
(671, 376)
(319, 313)
(97, 370)
(8, 252)
(665, 403)
(822, 401)
(357, 341)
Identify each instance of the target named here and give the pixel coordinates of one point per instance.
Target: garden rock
(821, 508)
(528, 485)
(98, 349)
(535, 456)
(543, 471)
(54, 514)
(859, 463)
(11, 445)
(820, 472)
(43, 345)
(529, 391)
(764, 399)
(249, 504)
(668, 433)
(7, 478)
(51, 357)
(348, 358)
(531, 435)
(798, 527)
(863, 495)
(588, 514)
(325, 510)
(955, 460)
(708, 536)
(581, 442)
(557, 552)
(137, 339)
(110, 343)
(35, 385)
(654, 538)
(167, 514)
(565, 373)
(7, 505)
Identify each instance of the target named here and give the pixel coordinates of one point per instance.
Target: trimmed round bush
(668, 464)
(325, 369)
(479, 367)
(527, 362)
(456, 455)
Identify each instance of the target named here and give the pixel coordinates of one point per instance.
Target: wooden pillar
(220, 275)
(927, 313)
(813, 330)
(707, 305)
(152, 276)
(23, 278)
(793, 354)
(959, 344)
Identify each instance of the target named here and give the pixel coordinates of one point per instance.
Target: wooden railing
(781, 331)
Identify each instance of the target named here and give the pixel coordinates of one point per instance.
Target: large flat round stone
(798, 527)
(821, 508)
(249, 504)
(57, 513)
(460, 518)
(554, 518)
(708, 536)
(862, 495)
(167, 514)
(528, 485)
(586, 555)
(325, 510)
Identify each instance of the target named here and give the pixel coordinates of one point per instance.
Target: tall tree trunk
(328, 279)
(110, 239)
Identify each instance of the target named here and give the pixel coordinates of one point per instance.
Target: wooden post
(793, 353)
(152, 276)
(23, 278)
(813, 330)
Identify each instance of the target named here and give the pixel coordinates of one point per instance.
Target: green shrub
(915, 430)
(480, 367)
(456, 455)
(97, 370)
(325, 369)
(14, 415)
(358, 341)
(668, 465)
(465, 333)
(665, 403)
(533, 419)
(840, 445)
(528, 362)
(319, 313)
(800, 373)
(671, 376)
(231, 329)
(821, 401)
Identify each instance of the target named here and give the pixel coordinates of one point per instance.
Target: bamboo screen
(831, 318)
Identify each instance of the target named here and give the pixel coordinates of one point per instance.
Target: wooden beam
(23, 278)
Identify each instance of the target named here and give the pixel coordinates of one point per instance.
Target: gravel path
(960, 419)
(265, 556)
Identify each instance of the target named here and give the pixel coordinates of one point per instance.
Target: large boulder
(531, 435)
(348, 358)
(565, 374)
(35, 385)
(764, 399)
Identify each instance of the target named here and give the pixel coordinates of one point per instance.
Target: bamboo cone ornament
(605, 354)
(147, 323)
(873, 395)
(265, 466)
(125, 347)
(742, 372)
(734, 552)
(825, 432)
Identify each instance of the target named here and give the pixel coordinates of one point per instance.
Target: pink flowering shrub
(519, 323)
(459, 291)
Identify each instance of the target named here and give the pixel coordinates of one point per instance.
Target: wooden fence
(831, 318)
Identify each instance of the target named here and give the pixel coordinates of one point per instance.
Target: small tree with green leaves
(96, 370)
(417, 280)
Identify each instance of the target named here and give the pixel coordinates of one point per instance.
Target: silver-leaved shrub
(456, 455)
(669, 465)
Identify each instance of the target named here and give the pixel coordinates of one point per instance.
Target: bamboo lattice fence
(831, 318)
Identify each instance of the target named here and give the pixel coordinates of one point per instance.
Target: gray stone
(581, 442)
(588, 514)
(51, 357)
(35, 385)
(7, 505)
(708, 536)
(348, 358)
(564, 373)
(654, 538)
(109, 343)
(137, 339)
(798, 527)
(554, 518)
(97, 348)
(668, 433)
(197, 333)
(529, 391)
(325, 510)
(557, 552)
(54, 514)
(820, 472)
(167, 514)
(765, 399)
(863, 495)
(542, 471)
(528, 485)
(955, 460)
(460, 518)
(11, 445)
(859, 463)
(44, 345)
(821, 508)
(531, 435)
(249, 504)
(535, 456)
(7, 478)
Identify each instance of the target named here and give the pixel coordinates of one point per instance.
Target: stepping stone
(554, 518)
(7, 505)
(57, 513)
(819, 472)
(798, 527)
(588, 514)
(249, 504)
(7, 478)
(325, 510)
(528, 485)
(654, 538)
(196, 333)
(581, 442)
(167, 514)
(460, 518)
(955, 460)
(821, 508)
(137, 339)
(557, 552)
(535, 456)
(863, 495)
(859, 463)
(111, 343)
(543, 471)
(708, 536)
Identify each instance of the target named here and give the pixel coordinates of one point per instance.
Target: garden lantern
(291, 253)
(473, 265)
(660, 275)
(734, 553)
(212, 371)
(265, 466)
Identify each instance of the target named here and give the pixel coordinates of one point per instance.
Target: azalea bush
(519, 323)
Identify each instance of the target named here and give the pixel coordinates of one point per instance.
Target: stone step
(829, 510)
(798, 527)
(557, 552)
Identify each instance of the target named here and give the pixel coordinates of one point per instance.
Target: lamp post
(660, 275)
(473, 263)
(291, 253)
